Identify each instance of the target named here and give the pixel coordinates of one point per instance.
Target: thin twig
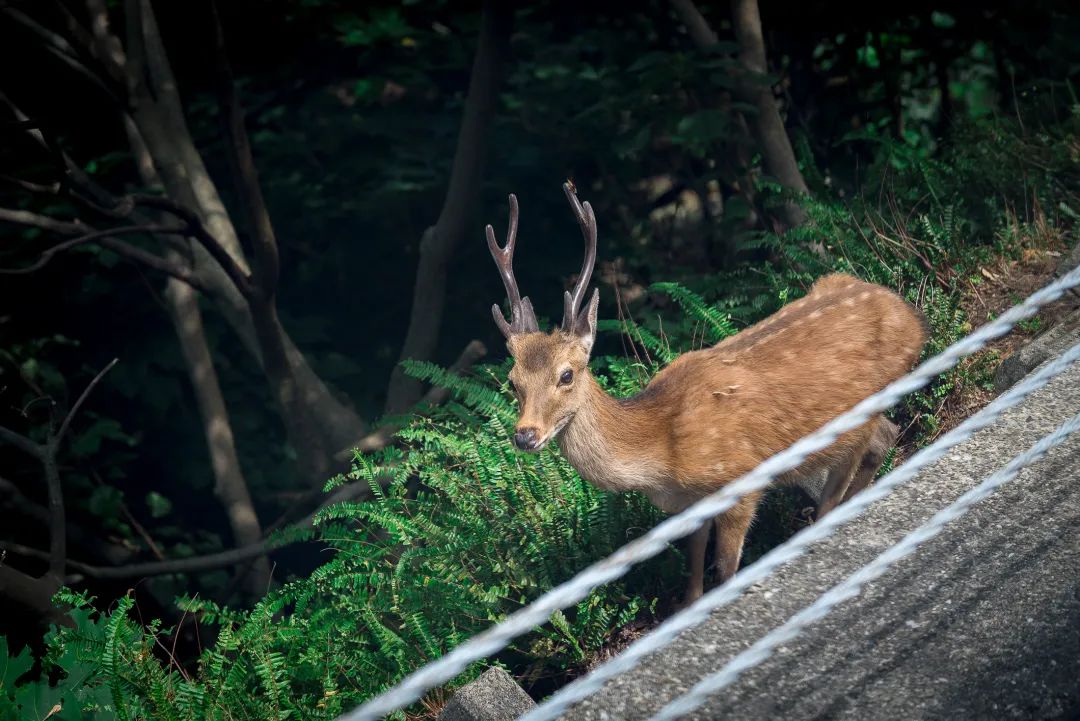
(138, 255)
(89, 238)
(57, 517)
(47, 189)
(181, 272)
(57, 45)
(90, 194)
(214, 560)
(82, 398)
(195, 228)
(106, 46)
(45, 222)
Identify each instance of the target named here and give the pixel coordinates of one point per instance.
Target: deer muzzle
(526, 439)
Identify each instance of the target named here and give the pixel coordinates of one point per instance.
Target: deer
(715, 413)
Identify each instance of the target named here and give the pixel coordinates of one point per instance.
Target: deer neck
(613, 443)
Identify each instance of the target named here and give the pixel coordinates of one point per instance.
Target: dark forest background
(261, 208)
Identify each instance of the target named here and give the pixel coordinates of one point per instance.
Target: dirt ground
(1001, 286)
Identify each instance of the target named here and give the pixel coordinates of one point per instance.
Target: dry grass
(999, 286)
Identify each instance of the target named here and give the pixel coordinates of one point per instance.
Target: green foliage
(715, 325)
(462, 530)
(68, 677)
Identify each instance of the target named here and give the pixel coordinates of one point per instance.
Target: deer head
(550, 376)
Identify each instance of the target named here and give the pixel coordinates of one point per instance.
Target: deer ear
(585, 325)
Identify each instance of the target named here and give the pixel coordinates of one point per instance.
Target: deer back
(714, 414)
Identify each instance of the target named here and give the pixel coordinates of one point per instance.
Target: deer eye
(566, 378)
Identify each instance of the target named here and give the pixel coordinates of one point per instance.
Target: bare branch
(89, 238)
(58, 46)
(88, 192)
(177, 565)
(75, 28)
(33, 131)
(85, 190)
(211, 561)
(82, 399)
(267, 263)
(12, 498)
(700, 31)
(21, 550)
(240, 278)
(36, 220)
(57, 519)
(47, 189)
(23, 443)
(107, 48)
(144, 257)
(180, 271)
(768, 127)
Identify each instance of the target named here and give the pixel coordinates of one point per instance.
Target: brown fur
(714, 414)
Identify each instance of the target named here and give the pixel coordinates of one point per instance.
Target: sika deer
(712, 414)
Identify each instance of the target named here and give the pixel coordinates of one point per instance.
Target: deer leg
(836, 485)
(731, 528)
(841, 474)
(696, 556)
(884, 437)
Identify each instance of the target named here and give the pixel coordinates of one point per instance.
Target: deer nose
(526, 438)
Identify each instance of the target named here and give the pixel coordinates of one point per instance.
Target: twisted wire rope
(794, 547)
(853, 585)
(411, 688)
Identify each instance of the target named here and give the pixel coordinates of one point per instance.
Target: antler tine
(587, 220)
(522, 317)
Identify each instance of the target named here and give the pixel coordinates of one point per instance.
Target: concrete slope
(983, 622)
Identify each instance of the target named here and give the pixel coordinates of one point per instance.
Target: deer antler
(522, 317)
(587, 220)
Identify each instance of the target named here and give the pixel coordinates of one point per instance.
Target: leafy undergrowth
(463, 531)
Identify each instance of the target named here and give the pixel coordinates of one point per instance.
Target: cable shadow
(811, 698)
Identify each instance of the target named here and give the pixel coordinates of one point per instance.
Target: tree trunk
(230, 485)
(316, 423)
(768, 127)
(144, 132)
(441, 240)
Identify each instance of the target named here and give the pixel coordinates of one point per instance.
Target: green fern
(461, 530)
(717, 324)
